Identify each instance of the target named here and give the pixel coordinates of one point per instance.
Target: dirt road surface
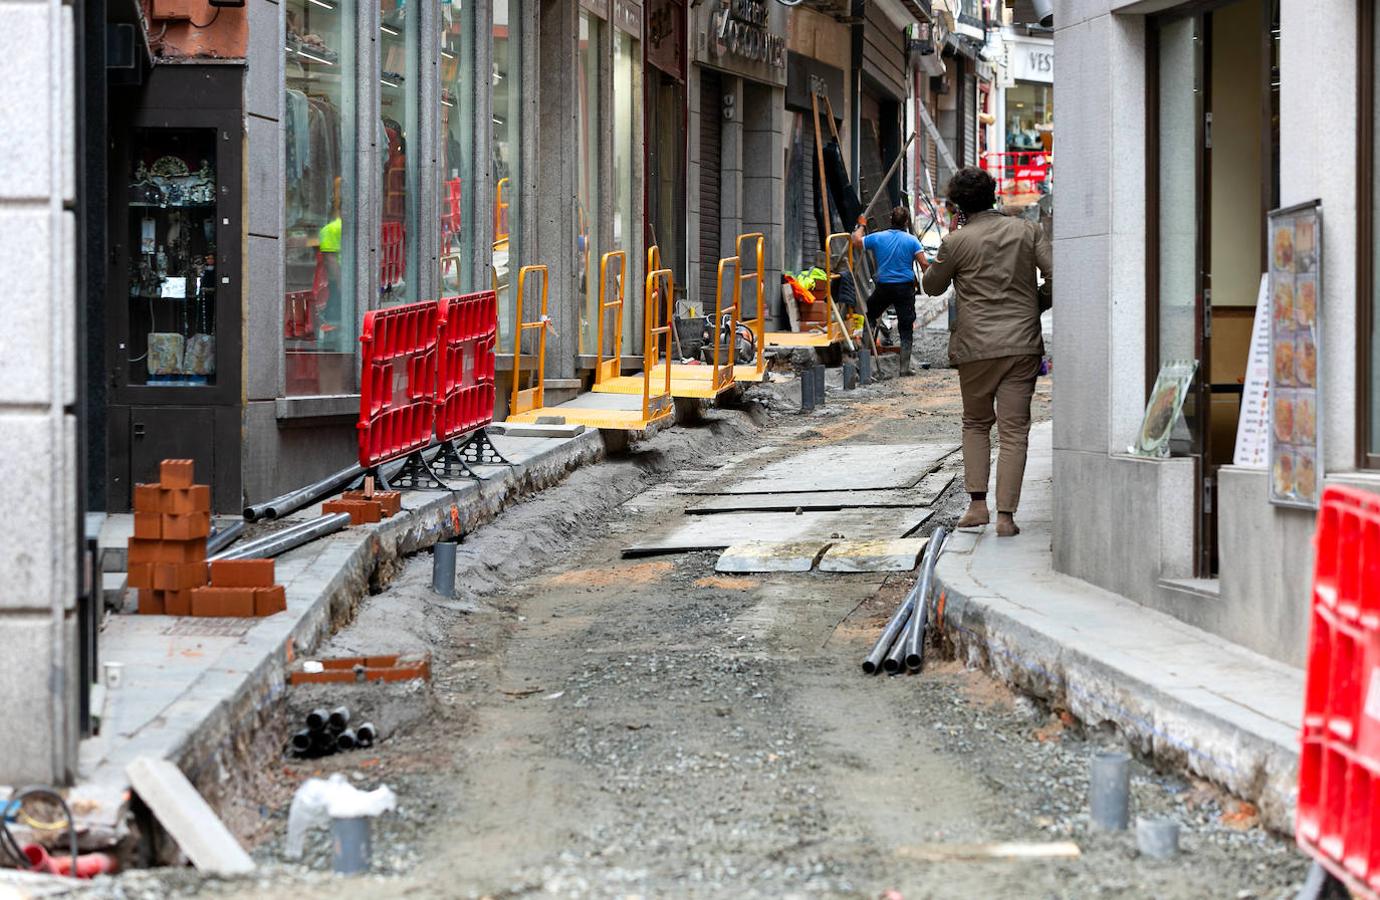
(610, 727)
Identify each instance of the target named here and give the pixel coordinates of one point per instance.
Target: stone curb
(1155, 723)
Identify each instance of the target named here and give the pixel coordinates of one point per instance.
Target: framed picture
(1295, 389)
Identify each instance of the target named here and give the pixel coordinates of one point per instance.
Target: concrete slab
(901, 555)
(924, 494)
(840, 467)
(770, 556)
(724, 530)
(533, 430)
(199, 832)
(1188, 697)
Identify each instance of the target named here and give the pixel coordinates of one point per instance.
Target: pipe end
(869, 667)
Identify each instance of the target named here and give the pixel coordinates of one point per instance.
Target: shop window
(319, 112)
(590, 193)
(399, 128)
(172, 277)
(627, 130)
(457, 149)
(507, 156)
(1368, 258)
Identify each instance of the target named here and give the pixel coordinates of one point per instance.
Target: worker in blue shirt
(895, 249)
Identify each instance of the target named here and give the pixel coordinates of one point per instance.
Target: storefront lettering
(740, 29)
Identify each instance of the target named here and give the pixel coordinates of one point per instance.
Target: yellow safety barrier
(687, 381)
(610, 368)
(500, 208)
(832, 332)
(621, 413)
(525, 400)
(758, 325)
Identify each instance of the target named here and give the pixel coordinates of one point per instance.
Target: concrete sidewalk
(1180, 695)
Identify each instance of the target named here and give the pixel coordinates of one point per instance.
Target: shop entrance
(1213, 175)
(173, 349)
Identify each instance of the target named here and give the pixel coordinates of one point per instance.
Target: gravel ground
(631, 728)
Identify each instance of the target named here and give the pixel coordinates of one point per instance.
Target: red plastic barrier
(465, 383)
(397, 381)
(450, 213)
(1339, 764)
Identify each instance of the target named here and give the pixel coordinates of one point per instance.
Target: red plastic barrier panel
(465, 378)
(1339, 764)
(397, 381)
(450, 214)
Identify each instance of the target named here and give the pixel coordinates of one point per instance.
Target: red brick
(270, 600)
(362, 512)
(176, 473)
(186, 527)
(193, 499)
(329, 676)
(140, 576)
(148, 526)
(179, 576)
(250, 573)
(148, 498)
(166, 551)
(375, 662)
(206, 601)
(390, 502)
(343, 662)
(142, 551)
(177, 603)
(150, 603)
(237, 602)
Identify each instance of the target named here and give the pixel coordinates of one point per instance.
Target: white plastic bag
(317, 802)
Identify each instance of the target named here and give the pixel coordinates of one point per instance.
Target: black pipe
(365, 734)
(282, 541)
(896, 655)
(890, 633)
(224, 537)
(301, 741)
(914, 639)
(294, 500)
(317, 719)
(340, 717)
(346, 740)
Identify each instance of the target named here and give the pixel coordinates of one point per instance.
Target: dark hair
(900, 218)
(973, 190)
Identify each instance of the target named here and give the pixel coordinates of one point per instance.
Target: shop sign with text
(742, 29)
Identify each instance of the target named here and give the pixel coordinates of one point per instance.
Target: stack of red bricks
(167, 554)
(365, 506)
(240, 587)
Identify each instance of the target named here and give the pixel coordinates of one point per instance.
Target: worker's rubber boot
(905, 358)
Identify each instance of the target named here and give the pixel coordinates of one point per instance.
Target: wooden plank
(187, 817)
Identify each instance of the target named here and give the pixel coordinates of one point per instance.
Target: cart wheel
(1323, 885)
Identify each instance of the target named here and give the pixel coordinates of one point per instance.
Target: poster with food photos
(1295, 251)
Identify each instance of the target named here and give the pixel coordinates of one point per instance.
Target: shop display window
(627, 125)
(507, 156)
(320, 321)
(588, 242)
(457, 150)
(399, 127)
(172, 271)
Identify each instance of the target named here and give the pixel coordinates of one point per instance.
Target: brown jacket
(991, 261)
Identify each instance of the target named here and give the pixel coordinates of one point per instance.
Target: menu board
(1253, 427)
(1296, 462)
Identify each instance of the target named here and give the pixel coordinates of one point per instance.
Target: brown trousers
(997, 391)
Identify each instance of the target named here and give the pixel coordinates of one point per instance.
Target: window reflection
(590, 151)
(506, 157)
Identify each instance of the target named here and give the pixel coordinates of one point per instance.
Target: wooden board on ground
(896, 555)
(755, 557)
(840, 467)
(190, 820)
(923, 494)
(721, 531)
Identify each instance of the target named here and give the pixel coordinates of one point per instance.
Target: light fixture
(323, 4)
(447, 54)
(387, 29)
(324, 62)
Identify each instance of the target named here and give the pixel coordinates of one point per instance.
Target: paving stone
(901, 555)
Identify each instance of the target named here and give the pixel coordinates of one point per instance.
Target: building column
(39, 681)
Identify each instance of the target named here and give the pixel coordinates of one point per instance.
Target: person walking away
(896, 249)
(996, 344)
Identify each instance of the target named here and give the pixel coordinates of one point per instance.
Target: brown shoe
(976, 515)
(1006, 525)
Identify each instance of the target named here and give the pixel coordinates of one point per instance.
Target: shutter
(711, 182)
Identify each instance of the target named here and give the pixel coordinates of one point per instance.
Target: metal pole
(285, 540)
(864, 365)
(1109, 791)
(915, 635)
(443, 568)
(898, 619)
(224, 537)
(850, 376)
(352, 845)
(294, 500)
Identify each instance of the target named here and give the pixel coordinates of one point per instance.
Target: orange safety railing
(527, 399)
(609, 368)
(656, 341)
(500, 211)
(835, 329)
(723, 368)
(757, 325)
